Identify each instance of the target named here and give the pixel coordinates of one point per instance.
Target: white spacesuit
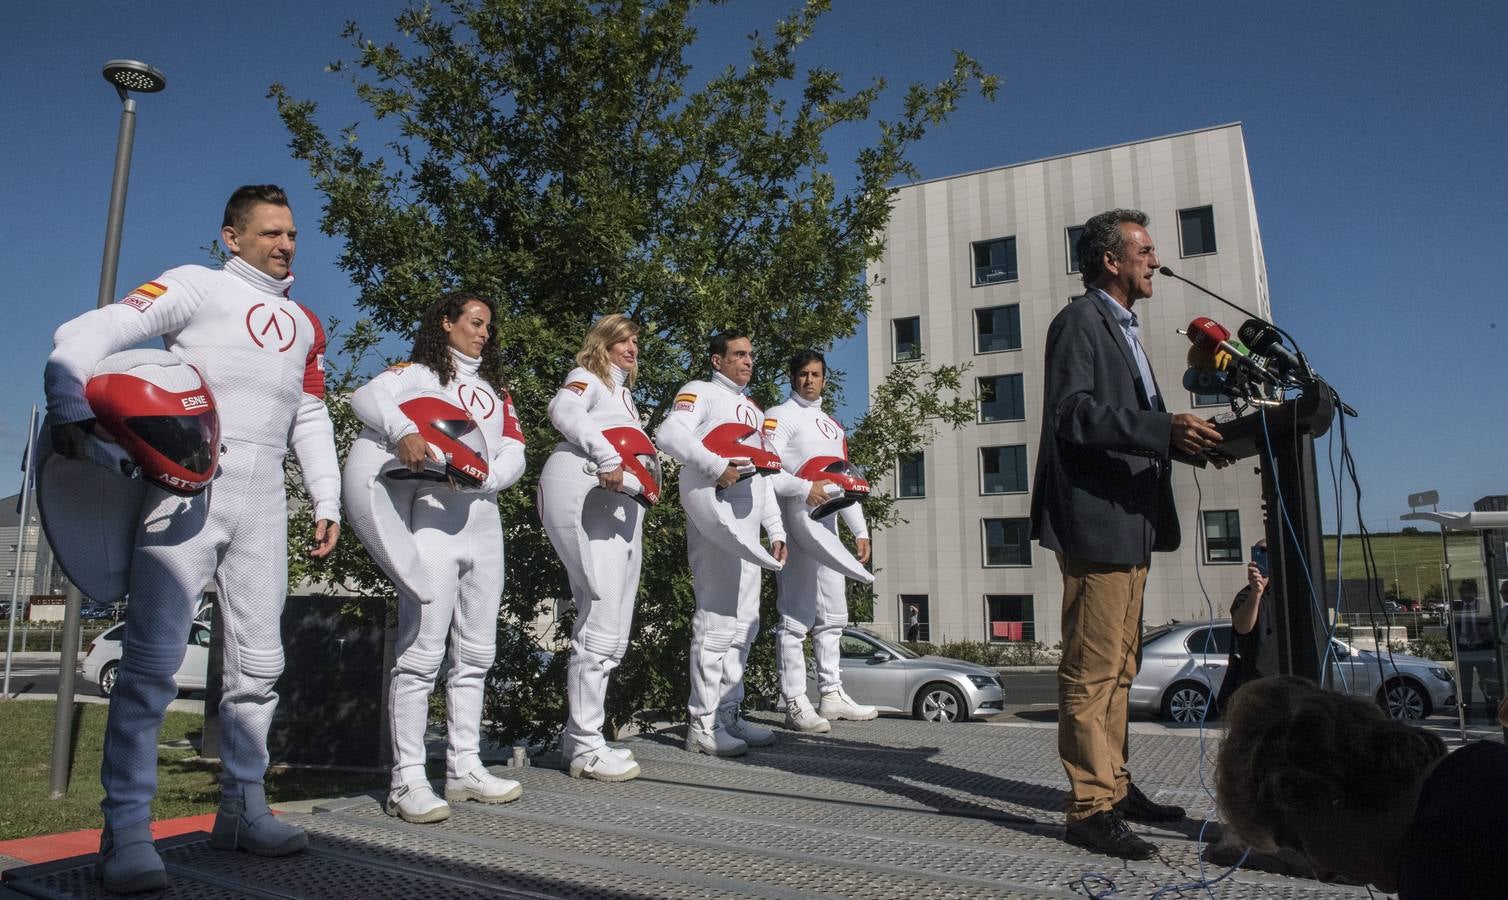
(457, 544)
(598, 534)
(261, 354)
(726, 585)
(812, 596)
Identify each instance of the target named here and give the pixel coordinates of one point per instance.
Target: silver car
(1183, 664)
(879, 673)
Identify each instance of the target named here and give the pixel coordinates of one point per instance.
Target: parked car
(1183, 664)
(885, 675)
(102, 663)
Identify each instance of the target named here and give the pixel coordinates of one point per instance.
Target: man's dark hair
(1102, 234)
(802, 360)
(718, 346)
(247, 196)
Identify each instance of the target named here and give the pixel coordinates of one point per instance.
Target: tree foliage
(560, 156)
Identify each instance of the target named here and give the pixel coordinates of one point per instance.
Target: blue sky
(1375, 133)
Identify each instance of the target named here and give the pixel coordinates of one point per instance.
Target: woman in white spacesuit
(593, 495)
(441, 542)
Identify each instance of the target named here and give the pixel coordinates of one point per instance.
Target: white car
(102, 663)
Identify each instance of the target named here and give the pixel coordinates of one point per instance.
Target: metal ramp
(890, 808)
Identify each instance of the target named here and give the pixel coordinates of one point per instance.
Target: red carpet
(48, 847)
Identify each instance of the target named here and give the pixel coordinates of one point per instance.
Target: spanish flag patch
(771, 424)
(399, 366)
(685, 402)
(576, 387)
(141, 298)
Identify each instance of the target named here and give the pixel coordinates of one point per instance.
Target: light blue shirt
(1129, 327)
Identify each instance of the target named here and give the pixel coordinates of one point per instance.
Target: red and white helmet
(640, 459)
(728, 441)
(452, 435)
(851, 482)
(159, 411)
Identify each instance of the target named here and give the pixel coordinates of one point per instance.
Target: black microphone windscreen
(1167, 271)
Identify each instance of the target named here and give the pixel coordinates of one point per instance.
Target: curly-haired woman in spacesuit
(592, 498)
(441, 542)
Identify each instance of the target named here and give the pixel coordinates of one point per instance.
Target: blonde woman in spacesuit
(594, 492)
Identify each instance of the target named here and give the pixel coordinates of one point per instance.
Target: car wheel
(1403, 699)
(1185, 703)
(107, 678)
(939, 702)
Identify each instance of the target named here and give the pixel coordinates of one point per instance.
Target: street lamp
(127, 76)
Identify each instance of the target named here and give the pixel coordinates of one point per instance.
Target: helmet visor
(186, 441)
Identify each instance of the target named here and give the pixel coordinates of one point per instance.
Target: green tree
(556, 155)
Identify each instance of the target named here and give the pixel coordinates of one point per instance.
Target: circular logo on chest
(270, 327)
(476, 401)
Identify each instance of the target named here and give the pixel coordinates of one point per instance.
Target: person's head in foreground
(1322, 773)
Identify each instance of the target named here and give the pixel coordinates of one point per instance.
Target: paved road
(30, 677)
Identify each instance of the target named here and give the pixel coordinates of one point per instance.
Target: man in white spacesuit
(262, 356)
(812, 596)
(726, 584)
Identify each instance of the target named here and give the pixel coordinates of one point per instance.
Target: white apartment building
(975, 266)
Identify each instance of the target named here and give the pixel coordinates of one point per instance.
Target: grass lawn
(1414, 559)
(184, 787)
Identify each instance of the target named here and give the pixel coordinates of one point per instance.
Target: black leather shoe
(1137, 807)
(1106, 832)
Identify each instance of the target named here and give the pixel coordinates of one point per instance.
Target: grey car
(885, 675)
(1183, 664)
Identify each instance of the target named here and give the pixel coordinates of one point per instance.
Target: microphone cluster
(1248, 365)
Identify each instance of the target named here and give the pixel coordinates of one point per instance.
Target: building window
(1009, 617)
(1074, 233)
(995, 261)
(911, 475)
(1196, 230)
(908, 338)
(997, 328)
(1002, 398)
(916, 619)
(1002, 470)
(1007, 542)
(1222, 536)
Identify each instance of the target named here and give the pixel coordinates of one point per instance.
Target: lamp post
(127, 76)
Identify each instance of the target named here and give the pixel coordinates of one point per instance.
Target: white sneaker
(416, 802)
(733, 721)
(836, 704)
(621, 752)
(705, 734)
(604, 764)
(482, 786)
(799, 716)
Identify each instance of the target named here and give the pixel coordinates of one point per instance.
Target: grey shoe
(246, 823)
(128, 862)
(731, 718)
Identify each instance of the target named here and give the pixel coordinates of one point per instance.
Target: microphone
(1207, 334)
(1263, 339)
(1303, 363)
(1202, 381)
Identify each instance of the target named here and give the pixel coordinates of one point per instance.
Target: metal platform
(890, 808)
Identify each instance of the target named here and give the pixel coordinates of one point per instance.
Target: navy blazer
(1104, 487)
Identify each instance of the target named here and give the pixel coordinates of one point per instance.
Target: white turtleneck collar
(619, 376)
(805, 403)
(257, 278)
(465, 365)
(722, 380)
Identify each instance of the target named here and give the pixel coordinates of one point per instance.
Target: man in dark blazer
(1103, 501)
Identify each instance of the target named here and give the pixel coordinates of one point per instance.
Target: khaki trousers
(1101, 648)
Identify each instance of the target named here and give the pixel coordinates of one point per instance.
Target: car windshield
(894, 648)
